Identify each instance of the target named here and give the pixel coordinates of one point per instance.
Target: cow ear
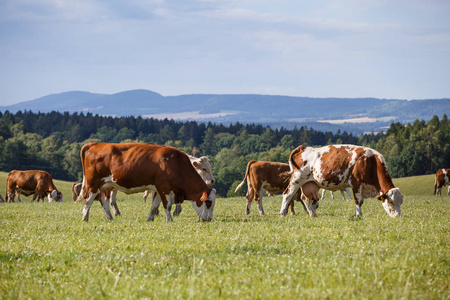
(195, 164)
(382, 197)
(204, 196)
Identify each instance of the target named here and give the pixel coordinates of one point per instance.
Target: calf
(338, 167)
(136, 167)
(442, 179)
(34, 182)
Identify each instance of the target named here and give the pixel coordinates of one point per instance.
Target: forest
(52, 142)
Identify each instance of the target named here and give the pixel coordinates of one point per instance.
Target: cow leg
(87, 206)
(438, 193)
(289, 193)
(448, 190)
(310, 205)
(145, 195)
(155, 203)
(18, 197)
(10, 197)
(323, 194)
(177, 210)
(113, 202)
(156, 213)
(291, 207)
(349, 193)
(332, 195)
(259, 198)
(104, 202)
(359, 200)
(169, 200)
(249, 197)
(343, 194)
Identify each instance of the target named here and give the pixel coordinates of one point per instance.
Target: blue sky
(398, 49)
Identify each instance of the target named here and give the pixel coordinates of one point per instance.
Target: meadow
(46, 251)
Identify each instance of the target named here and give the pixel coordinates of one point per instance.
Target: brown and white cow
(442, 179)
(33, 182)
(202, 166)
(262, 175)
(136, 167)
(337, 167)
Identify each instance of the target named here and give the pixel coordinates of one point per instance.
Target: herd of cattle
(171, 176)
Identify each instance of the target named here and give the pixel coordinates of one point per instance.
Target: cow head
(204, 207)
(55, 196)
(392, 201)
(203, 168)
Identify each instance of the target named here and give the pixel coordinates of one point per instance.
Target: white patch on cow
(205, 213)
(203, 168)
(110, 178)
(51, 196)
(393, 202)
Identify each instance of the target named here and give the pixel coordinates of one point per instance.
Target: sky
(397, 49)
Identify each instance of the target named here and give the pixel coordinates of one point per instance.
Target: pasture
(46, 251)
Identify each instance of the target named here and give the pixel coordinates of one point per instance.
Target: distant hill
(361, 114)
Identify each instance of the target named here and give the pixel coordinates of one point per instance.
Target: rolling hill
(351, 114)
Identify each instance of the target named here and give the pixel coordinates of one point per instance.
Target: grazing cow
(33, 182)
(76, 190)
(442, 179)
(349, 193)
(203, 168)
(338, 167)
(136, 167)
(261, 175)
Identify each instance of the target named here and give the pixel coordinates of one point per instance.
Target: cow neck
(384, 179)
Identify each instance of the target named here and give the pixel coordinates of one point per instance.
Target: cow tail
(82, 194)
(292, 162)
(245, 177)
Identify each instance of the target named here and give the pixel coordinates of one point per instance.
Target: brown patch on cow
(334, 163)
(296, 158)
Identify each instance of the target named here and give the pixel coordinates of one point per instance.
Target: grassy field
(46, 251)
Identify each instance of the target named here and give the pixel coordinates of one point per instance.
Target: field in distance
(46, 251)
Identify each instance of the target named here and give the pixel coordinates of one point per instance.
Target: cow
(262, 175)
(337, 167)
(442, 179)
(33, 182)
(136, 167)
(202, 166)
(349, 193)
(76, 190)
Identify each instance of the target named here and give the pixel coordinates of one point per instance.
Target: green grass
(47, 252)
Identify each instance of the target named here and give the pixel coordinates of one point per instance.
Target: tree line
(52, 142)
